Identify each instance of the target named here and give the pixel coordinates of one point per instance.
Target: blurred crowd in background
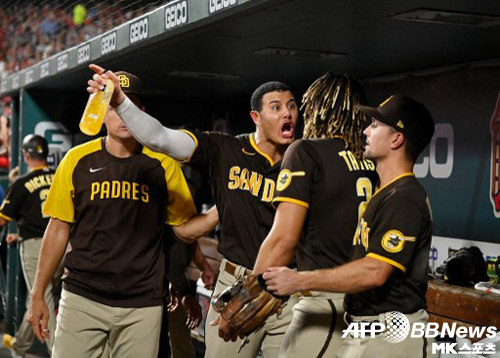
(32, 31)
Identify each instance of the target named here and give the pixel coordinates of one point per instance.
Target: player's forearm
(279, 246)
(274, 251)
(199, 259)
(54, 244)
(198, 226)
(151, 133)
(356, 276)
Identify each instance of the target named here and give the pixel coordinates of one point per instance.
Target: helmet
(36, 146)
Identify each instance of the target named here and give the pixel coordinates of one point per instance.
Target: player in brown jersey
(110, 199)
(322, 189)
(392, 242)
(243, 172)
(23, 204)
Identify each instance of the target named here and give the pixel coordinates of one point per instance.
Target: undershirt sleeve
(152, 134)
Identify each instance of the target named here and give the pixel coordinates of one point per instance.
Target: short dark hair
(36, 147)
(258, 94)
(411, 150)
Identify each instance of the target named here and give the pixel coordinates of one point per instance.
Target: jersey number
(43, 198)
(364, 189)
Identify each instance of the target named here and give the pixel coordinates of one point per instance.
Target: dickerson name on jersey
(40, 181)
(116, 189)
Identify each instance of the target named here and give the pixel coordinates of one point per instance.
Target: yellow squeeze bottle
(95, 110)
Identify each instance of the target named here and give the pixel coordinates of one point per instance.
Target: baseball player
(23, 204)
(109, 199)
(243, 172)
(392, 241)
(322, 189)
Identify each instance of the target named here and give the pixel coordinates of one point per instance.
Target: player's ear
(398, 140)
(255, 117)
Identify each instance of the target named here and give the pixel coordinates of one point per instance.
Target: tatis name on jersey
(244, 179)
(355, 164)
(40, 181)
(119, 189)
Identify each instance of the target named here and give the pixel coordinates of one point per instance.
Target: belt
(231, 268)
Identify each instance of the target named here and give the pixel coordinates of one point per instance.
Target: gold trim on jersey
(6, 217)
(180, 206)
(38, 168)
(291, 200)
(195, 145)
(59, 204)
(386, 260)
(393, 180)
(254, 145)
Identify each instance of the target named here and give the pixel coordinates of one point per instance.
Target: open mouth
(287, 130)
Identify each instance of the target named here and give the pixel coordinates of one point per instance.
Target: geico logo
(216, 5)
(119, 190)
(15, 82)
(139, 30)
(108, 43)
(176, 15)
(83, 53)
(28, 78)
(44, 69)
(62, 62)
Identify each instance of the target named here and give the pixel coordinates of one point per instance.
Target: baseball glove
(247, 304)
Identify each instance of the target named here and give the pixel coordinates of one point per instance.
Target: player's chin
(367, 154)
(285, 140)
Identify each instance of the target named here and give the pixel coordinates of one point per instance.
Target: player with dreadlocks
(322, 189)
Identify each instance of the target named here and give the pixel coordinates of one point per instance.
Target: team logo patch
(124, 81)
(394, 241)
(285, 178)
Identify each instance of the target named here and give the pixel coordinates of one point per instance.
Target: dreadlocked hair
(331, 109)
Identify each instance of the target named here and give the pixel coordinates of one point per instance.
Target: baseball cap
(36, 145)
(129, 83)
(406, 116)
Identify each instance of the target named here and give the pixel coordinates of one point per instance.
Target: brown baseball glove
(247, 304)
